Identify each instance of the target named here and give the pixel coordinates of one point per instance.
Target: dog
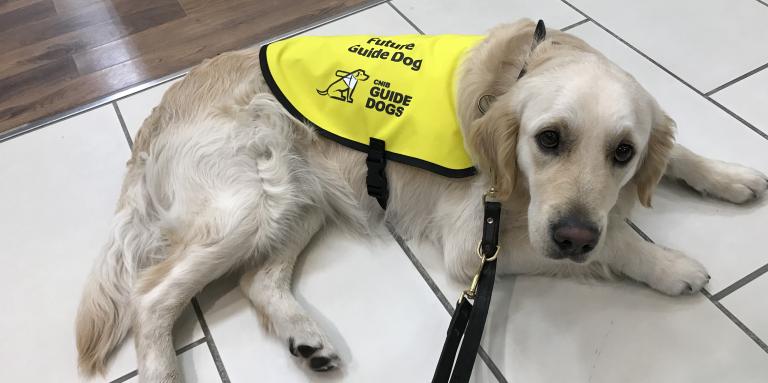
(345, 85)
(223, 178)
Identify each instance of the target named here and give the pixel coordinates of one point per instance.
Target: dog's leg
(161, 293)
(665, 270)
(269, 289)
(350, 92)
(344, 95)
(727, 181)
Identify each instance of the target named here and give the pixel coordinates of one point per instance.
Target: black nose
(574, 237)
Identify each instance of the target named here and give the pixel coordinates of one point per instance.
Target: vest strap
(376, 179)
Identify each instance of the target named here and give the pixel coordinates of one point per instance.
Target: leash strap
(468, 319)
(376, 179)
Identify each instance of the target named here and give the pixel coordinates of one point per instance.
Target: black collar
(538, 36)
(485, 101)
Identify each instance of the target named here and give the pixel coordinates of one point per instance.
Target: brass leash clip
(471, 292)
(490, 195)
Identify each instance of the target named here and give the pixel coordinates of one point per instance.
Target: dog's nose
(574, 238)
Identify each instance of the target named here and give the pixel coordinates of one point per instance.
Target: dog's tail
(322, 92)
(105, 316)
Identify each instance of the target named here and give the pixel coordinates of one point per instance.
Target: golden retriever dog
(222, 178)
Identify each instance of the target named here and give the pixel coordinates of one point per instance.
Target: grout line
(191, 345)
(491, 365)
(420, 268)
(737, 79)
(441, 297)
(669, 72)
(406, 18)
(181, 350)
(727, 290)
(715, 299)
(737, 117)
(135, 89)
(122, 124)
(574, 25)
(736, 320)
(126, 377)
(740, 283)
(211, 344)
(638, 231)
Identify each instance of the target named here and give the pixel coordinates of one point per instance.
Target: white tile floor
(60, 184)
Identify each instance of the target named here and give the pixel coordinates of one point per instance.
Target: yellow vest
(399, 89)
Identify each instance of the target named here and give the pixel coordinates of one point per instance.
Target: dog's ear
(654, 163)
(492, 141)
(492, 67)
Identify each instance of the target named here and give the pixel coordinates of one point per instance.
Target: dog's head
(574, 132)
(360, 75)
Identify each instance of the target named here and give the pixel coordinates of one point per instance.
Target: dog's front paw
(734, 183)
(676, 274)
(316, 351)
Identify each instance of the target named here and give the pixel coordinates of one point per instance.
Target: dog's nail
(291, 348)
(689, 288)
(306, 351)
(321, 363)
(709, 277)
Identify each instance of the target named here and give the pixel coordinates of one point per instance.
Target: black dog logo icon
(343, 87)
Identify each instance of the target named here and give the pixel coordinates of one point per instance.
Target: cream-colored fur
(222, 178)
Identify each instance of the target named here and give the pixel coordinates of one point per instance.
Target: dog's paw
(316, 351)
(676, 273)
(733, 183)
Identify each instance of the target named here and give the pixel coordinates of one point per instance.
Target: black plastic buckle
(376, 179)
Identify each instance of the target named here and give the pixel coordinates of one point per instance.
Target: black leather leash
(468, 319)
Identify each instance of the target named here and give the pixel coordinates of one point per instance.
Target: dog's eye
(548, 139)
(623, 153)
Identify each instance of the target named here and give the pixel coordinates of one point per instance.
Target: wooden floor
(56, 55)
